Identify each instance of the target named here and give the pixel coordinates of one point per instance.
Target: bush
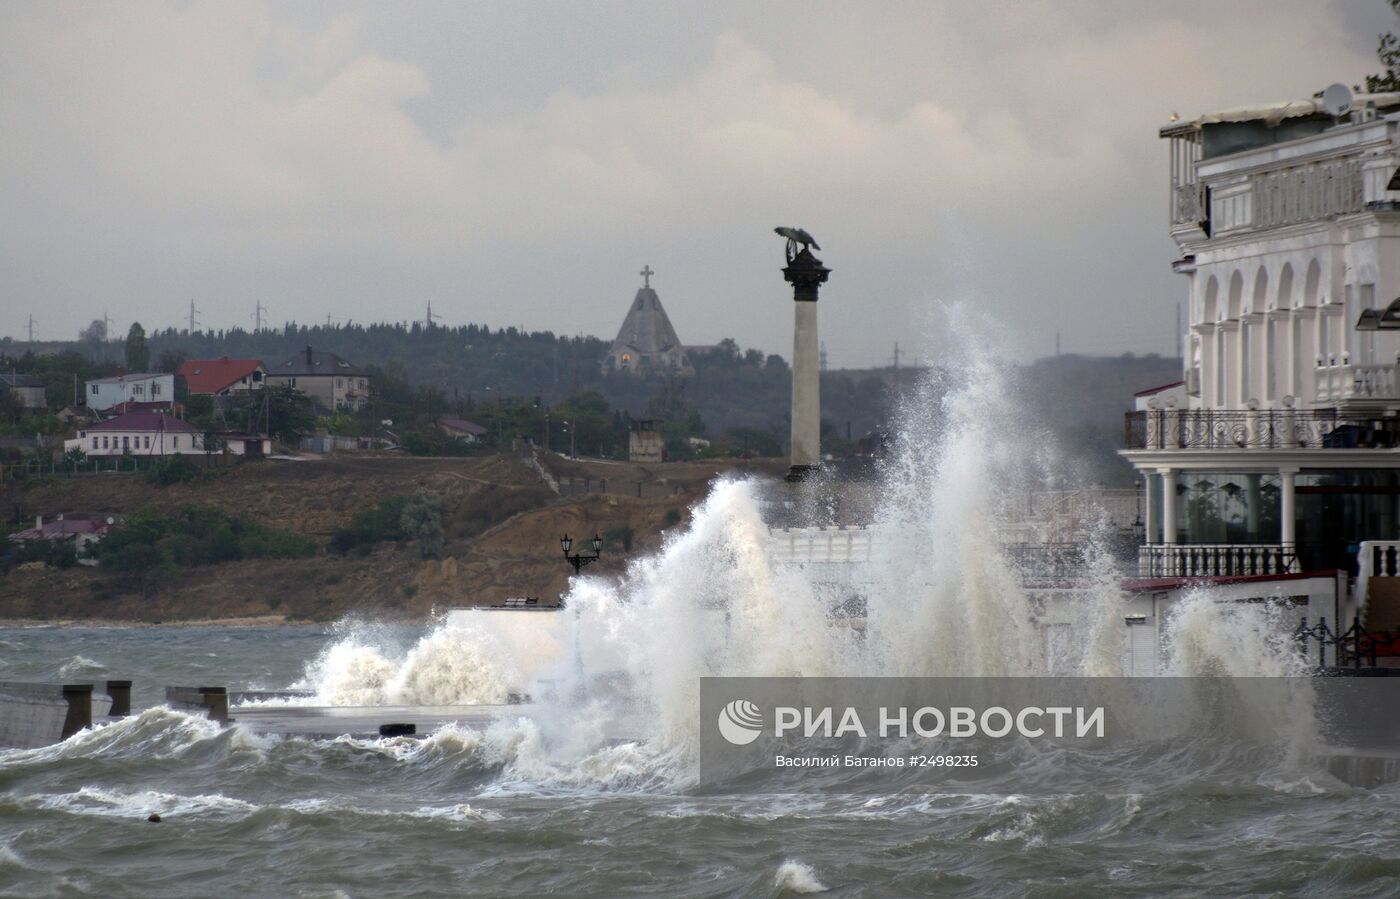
(623, 535)
(57, 553)
(151, 541)
(382, 523)
(172, 470)
(421, 520)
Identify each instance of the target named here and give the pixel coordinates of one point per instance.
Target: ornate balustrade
(1215, 560)
(1235, 429)
(1188, 203)
(1306, 193)
(1336, 383)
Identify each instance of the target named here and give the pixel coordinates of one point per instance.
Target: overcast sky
(518, 163)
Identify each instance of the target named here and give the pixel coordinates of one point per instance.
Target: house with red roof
(223, 377)
(139, 433)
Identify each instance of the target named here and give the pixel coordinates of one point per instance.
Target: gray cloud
(517, 163)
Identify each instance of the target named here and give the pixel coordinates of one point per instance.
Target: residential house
(140, 387)
(141, 434)
(82, 530)
(28, 389)
(325, 377)
(223, 377)
(461, 429)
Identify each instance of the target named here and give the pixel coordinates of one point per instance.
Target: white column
(1229, 362)
(1149, 509)
(1287, 512)
(1168, 505)
(806, 388)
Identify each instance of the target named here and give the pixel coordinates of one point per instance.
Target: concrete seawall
(34, 715)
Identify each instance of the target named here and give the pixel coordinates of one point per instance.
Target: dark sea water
(469, 813)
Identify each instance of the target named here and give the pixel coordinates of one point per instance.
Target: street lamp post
(573, 438)
(579, 560)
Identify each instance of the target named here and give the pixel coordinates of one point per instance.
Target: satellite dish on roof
(1337, 100)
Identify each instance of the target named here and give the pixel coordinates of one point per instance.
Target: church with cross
(647, 343)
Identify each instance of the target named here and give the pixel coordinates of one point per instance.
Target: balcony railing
(1338, 383)
(1169, 429)
(1216, 560)
(1306, 193)
(1188, 204)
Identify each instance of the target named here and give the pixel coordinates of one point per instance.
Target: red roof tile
(214, 375)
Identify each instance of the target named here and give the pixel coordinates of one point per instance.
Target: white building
(139, 433)
(142, 387)
(1277, 453)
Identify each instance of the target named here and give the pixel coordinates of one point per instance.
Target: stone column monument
(806, 274)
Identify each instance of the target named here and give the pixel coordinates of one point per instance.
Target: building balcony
(1216, 560)
(1348, 383)
(1236, 429)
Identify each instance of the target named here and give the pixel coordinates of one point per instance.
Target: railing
(1047, 561)
(1350, 382)
(1307, 193)
(839, 545)
(1375, 558)
(1236, 429)
(1216, 560)
(1188, 204)
(1354, 647)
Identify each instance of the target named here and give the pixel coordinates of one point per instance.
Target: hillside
(502, 528)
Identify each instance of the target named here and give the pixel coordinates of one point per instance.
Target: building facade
(325, 377)
(1279, 451)
(29, 391)
(140, 434)
(646, 441)
(141, 387)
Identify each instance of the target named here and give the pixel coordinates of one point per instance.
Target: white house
(142, 387)
(139, 433)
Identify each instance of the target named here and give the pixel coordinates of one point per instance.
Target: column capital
(806, 274)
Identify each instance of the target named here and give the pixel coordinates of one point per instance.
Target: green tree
(289, 413)
(171, 360)
(1388, 52)
(422, 521)
(138, 354)
(95, 336)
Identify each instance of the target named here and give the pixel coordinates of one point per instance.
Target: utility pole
(193, 312)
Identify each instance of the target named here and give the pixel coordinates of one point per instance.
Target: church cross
(646, 274)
